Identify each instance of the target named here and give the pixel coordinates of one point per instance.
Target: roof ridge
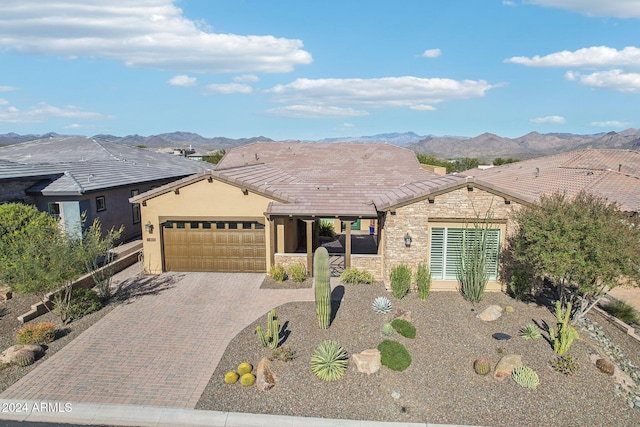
(106, 150)
(75, 181)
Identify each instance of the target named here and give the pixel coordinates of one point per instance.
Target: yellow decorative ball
(247, 380)
(231, 378)
(244, 368)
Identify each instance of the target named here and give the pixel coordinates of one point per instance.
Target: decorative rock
(265, 379)
(10, 354)
(501, 336)
(402, 314)
(506, 365)
(395, 395)
(490, 313)
(367, 362)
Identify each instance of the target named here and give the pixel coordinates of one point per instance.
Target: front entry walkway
(160, 348)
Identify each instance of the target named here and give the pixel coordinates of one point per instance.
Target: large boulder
(506, 365)
(265, 379)
(367, 362)
(13, 353)
(491, 313)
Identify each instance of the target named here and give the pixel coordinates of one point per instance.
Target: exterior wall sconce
(148, 227)
(407, 240)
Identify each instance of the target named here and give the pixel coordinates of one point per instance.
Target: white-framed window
(135, 207)
(446, 250)
(101, 204)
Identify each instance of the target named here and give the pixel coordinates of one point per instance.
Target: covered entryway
(217, 246)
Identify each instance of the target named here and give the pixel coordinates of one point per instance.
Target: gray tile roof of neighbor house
(608, 173)
(76, 165)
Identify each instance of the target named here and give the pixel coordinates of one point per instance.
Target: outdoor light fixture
(148, 227)
(407, 240)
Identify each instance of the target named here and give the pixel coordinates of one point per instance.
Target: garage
(220, 246)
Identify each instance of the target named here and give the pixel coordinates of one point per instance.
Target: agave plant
(329, 361)
(382, 305)
(530, 332)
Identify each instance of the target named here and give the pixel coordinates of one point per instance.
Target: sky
(307, 70)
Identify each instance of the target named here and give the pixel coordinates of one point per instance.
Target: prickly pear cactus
(482, 366)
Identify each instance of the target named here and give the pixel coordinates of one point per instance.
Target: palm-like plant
(329, 361)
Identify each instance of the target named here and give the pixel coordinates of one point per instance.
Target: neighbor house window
(446, 248)
(101, 205)
(135, 208)
(54, 210)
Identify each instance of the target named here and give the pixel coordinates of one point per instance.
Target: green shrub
(297, 272)
(39, 333)
(400, 280)
(325, 228)
(565, 364)
(278, 273)
(394, 355)
(329, 361)
(404, 328)
(83, 301)
(623, 311)
(356, 276)
(423, 280)
(520, 284)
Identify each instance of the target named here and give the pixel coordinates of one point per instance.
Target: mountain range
(484, 147)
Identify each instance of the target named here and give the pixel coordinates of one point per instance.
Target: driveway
(161, 347)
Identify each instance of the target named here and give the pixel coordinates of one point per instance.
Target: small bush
(297, 272)
(520, 284)
(283, 354)
(394, 355)
(356, 276)
(387, 329)
(423, 280)
(83, 301)
(404, 328)
(565, 364)
(623, 311)
(400, 280)
(39, 333)
(325, 228)
(278, 273)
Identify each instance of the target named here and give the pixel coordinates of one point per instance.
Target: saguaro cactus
(322, 277)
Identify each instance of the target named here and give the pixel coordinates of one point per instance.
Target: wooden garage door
(230, 246)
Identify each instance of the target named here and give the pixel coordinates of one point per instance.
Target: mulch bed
(440, 386)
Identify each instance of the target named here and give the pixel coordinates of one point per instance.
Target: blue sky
(291, 69)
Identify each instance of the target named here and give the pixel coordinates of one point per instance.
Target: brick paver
(159, 349)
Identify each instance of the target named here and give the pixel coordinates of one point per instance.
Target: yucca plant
(530, 332)
(382, 305)
(329, 361)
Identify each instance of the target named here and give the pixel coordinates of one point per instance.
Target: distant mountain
(14, 138)
(182, 140)
(400, 139)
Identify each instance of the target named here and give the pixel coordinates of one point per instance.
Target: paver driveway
(158, 349)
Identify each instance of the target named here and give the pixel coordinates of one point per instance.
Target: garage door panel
(220, 248)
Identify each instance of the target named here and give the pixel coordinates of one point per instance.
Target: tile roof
(609, 173)
(76, 165)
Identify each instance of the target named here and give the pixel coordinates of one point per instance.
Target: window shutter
(436, 257)
(453, 252)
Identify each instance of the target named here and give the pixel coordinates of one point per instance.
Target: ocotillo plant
(322, 278)
(271, 337)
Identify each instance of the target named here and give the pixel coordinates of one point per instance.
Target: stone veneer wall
(286, 260)
(370, 263)
(15, 191)
(415, 219)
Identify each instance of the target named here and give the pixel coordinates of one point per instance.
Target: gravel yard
(440, 386)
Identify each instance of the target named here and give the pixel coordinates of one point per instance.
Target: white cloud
(610, 124)
(549, 119)
(74, 126)
(380, 92)
(247, 78)
(45, 111)
(613, 8)
(508, 3)
(612, 79)
(423, 108)
(3, 101)
(7, 88)
(144, 34)
(431, 53)
(315, 112)
(228, 88)
(588, 57)
(182, 80)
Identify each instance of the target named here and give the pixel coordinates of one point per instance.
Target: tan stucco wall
(199, 200)
(417, 218)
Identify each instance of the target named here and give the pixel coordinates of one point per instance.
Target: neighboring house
(76, 177)
(262, 204)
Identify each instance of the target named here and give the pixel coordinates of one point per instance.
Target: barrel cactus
(382, 305)
(322, 276)
(606, 366)
(231, 378)
(387, 329)
(482, 366)
(244, 368)
(247, 380)
(525, 377)
(24, 358)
